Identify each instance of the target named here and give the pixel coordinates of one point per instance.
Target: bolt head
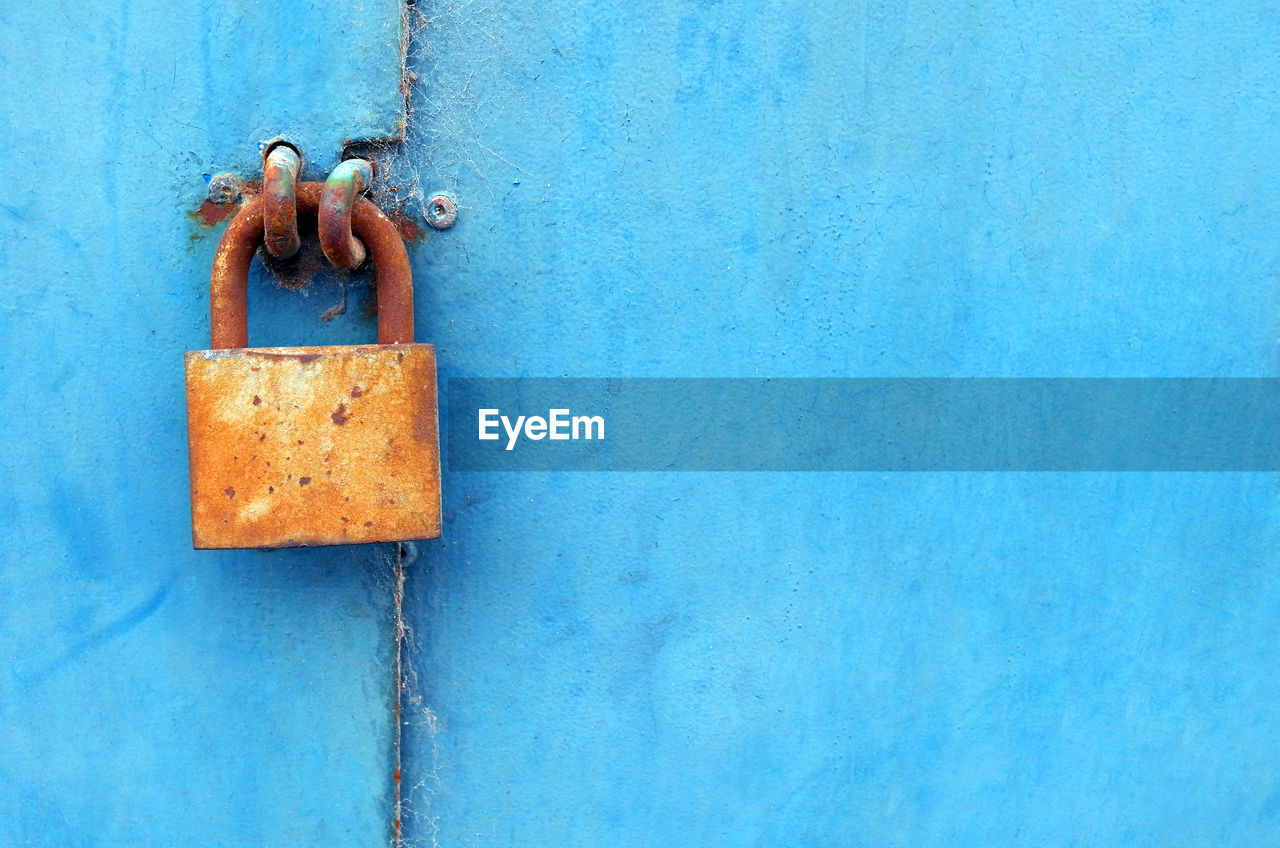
(441, 212)
(225, 188)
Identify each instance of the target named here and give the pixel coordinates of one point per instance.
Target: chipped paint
(211, 213)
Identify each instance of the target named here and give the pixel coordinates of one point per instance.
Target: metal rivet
(441, 212)
(225, 188)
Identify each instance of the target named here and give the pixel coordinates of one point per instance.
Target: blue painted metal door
(152, 694)
(849, 189)
(670, 190)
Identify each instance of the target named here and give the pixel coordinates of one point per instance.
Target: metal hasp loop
(228, 285)
(280, 171)
(341, 191)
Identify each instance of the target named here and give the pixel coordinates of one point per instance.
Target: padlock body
(313, 445)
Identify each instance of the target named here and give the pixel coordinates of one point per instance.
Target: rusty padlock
(326, 445)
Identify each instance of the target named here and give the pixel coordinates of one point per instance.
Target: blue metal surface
(674, 189)
(150, 694)
(848, 189)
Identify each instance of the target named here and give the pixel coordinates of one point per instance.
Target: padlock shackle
(229, 282)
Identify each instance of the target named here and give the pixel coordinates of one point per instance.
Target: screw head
(441, 212)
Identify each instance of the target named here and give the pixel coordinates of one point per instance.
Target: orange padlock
(325, 445)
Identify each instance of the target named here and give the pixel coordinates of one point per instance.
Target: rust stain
(406, 226)
(293, 357)
(210, 214)
(376, 479)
